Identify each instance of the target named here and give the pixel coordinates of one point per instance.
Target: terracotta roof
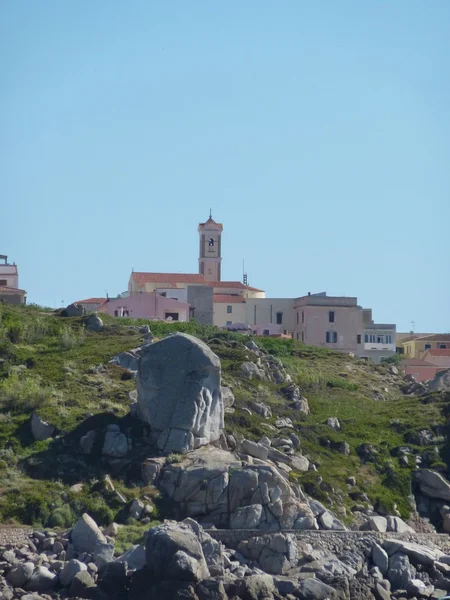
(5, 288)
(438, 351)
(170, 278)
(435, 337)
(228, 299)
(91, 301)
(173, 278)
(211, 221)
(416, 362)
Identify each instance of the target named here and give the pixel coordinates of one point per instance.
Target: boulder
(128, 360)
(314, 589)
(254, 449)
(433, 484)
(40, 429)
(417, 553)
(333, 423)
(399, 573)
(179, 393)
(330, 522)
(251, 371)
(42, 580)
(299, 463)
(397, 525)
(73, 310)
(301, 405)
(262, 409)
(70, 569)
(115, 444)
(18, 576)
(136, 509)
(283, 422)
(93, 323)
(380, 558)
(227, 396)
(246, 517)
(87, 441)
(378, 524)
(135, 557)
(85, 535)
(173, 551)
(80, 583)
(256, 587)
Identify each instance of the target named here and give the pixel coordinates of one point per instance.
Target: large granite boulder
(432, 484)
(179, 393)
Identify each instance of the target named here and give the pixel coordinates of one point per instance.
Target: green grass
(49, 364)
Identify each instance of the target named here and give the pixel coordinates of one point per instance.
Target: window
(228, 323)
(331, 337)
(266, 332)
(303, 337)
(303, 317)
(3, 282)
(229, 309)
(366, 338)
(116, 313)
(388, 339)
(279, 318)
(331, 316)
(297, 318)
(442, 346)
(427, 346)
(358, 338)
(380, 339)
(211, 242)
(298, 337)
(172, 316)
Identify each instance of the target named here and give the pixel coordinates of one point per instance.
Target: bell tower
(210, 257)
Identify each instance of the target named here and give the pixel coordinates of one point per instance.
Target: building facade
(150, 306)
(415, 347)
(9, 283)
(210, 254)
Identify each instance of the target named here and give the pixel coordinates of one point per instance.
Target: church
(226, 298)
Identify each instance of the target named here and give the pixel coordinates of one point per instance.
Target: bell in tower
(210, 259)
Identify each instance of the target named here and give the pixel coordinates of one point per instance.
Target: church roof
(229, 299)
(172, 279)
(210, 221)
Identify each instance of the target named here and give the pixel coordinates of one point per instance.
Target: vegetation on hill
(53, 366)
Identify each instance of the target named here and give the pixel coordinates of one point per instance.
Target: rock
(377, 524)
(433, 484)
(173, 551)
(329, 522)
(93, 323)
(73, 310)
(399, 573)
(87, 441)
(254, 449)
(314, 589)
(150, 470)
(42, 580)
(295, 440)
(251, 345)
(246, 517)
(134, 557)
(283, 422)
(380, 558)
(262, 409)
(179, 393)
(128, 360)
(70, 569)
(393, 370)
(251, 371)
(18, 576)
(136, 509)
(112, 530)
(211, 589)
(419, 588)
(256, 587)
(40, 429)
(419, 554)
(103, 553)
(397, 525)
(351, 481)
(299, 463)
(367, 453)
(115, 444)
(85, 535)
(333, 423)
(227, 396)
(381, 593)
(81, 581)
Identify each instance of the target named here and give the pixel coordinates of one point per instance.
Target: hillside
(55, 367)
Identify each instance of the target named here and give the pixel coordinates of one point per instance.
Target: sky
(317, 132)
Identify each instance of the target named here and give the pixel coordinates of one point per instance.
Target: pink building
(150, 306)
(438, 356)
(420, 369)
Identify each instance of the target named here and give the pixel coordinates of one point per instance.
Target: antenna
(244, 274)
(210, 213)
(413, 326)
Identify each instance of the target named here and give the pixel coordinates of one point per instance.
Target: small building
(420, 369)
(437, 356)
(150, 306)
(90, 304)
(416, 346)
(9, 283)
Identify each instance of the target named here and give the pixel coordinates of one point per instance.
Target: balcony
(379, 347)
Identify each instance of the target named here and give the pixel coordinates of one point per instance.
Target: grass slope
(50, 365)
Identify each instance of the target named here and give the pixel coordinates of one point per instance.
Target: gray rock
(18, 576)
(283, 422)
(254, 449)
(256, 587)
(295, 440)
(333, 423)
(301, 404)
(380, 558)
(40, 429)
(399, 573)
(211, 589)
(419, 554)
(330, 522)
(377, 524)
(103, 553)
(87, 441)
(136, 509)
(227, 396)
(128, 360)
(93, 323)
(381, 593)
(115, 444)
(433, 484)
(81, 581)
(42, 580)
(70, 569)
(314, 589)
(397, 525)
(246, 517)
(173, 551)
(73, 310)
(85, 535)
(262, 409)
(299, 463)
(134, 557)
(150, 470)
(179, 393)
(251, 371)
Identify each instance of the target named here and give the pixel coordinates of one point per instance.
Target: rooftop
(416, 362)
(4, 289)
(438, 351)
(210, 221)
(228, 299)
(435, 337)
(91, 301)
(172, 279)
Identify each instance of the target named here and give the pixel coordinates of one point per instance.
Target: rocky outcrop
(179, 393)
(93, 323)
(432, 484)
(40, 429)
(73, 310)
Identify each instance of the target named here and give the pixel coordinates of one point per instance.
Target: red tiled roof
(211, 221)
(5, 288)
(91, 301)
(416, 362)
(435, 337)
(438, 351)
(228, 299)
(173, 278)
(170, 278)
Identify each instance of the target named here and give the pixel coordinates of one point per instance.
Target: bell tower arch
(210, 256)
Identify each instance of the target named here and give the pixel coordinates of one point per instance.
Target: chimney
(309, 293)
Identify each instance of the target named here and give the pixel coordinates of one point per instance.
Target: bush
(23, 394)
(62, 517)
(70, 338)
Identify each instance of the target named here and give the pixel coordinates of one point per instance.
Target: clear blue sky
(318, 132)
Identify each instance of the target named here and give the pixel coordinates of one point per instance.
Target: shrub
(23, 394)
(70, 338)
(61, 517)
